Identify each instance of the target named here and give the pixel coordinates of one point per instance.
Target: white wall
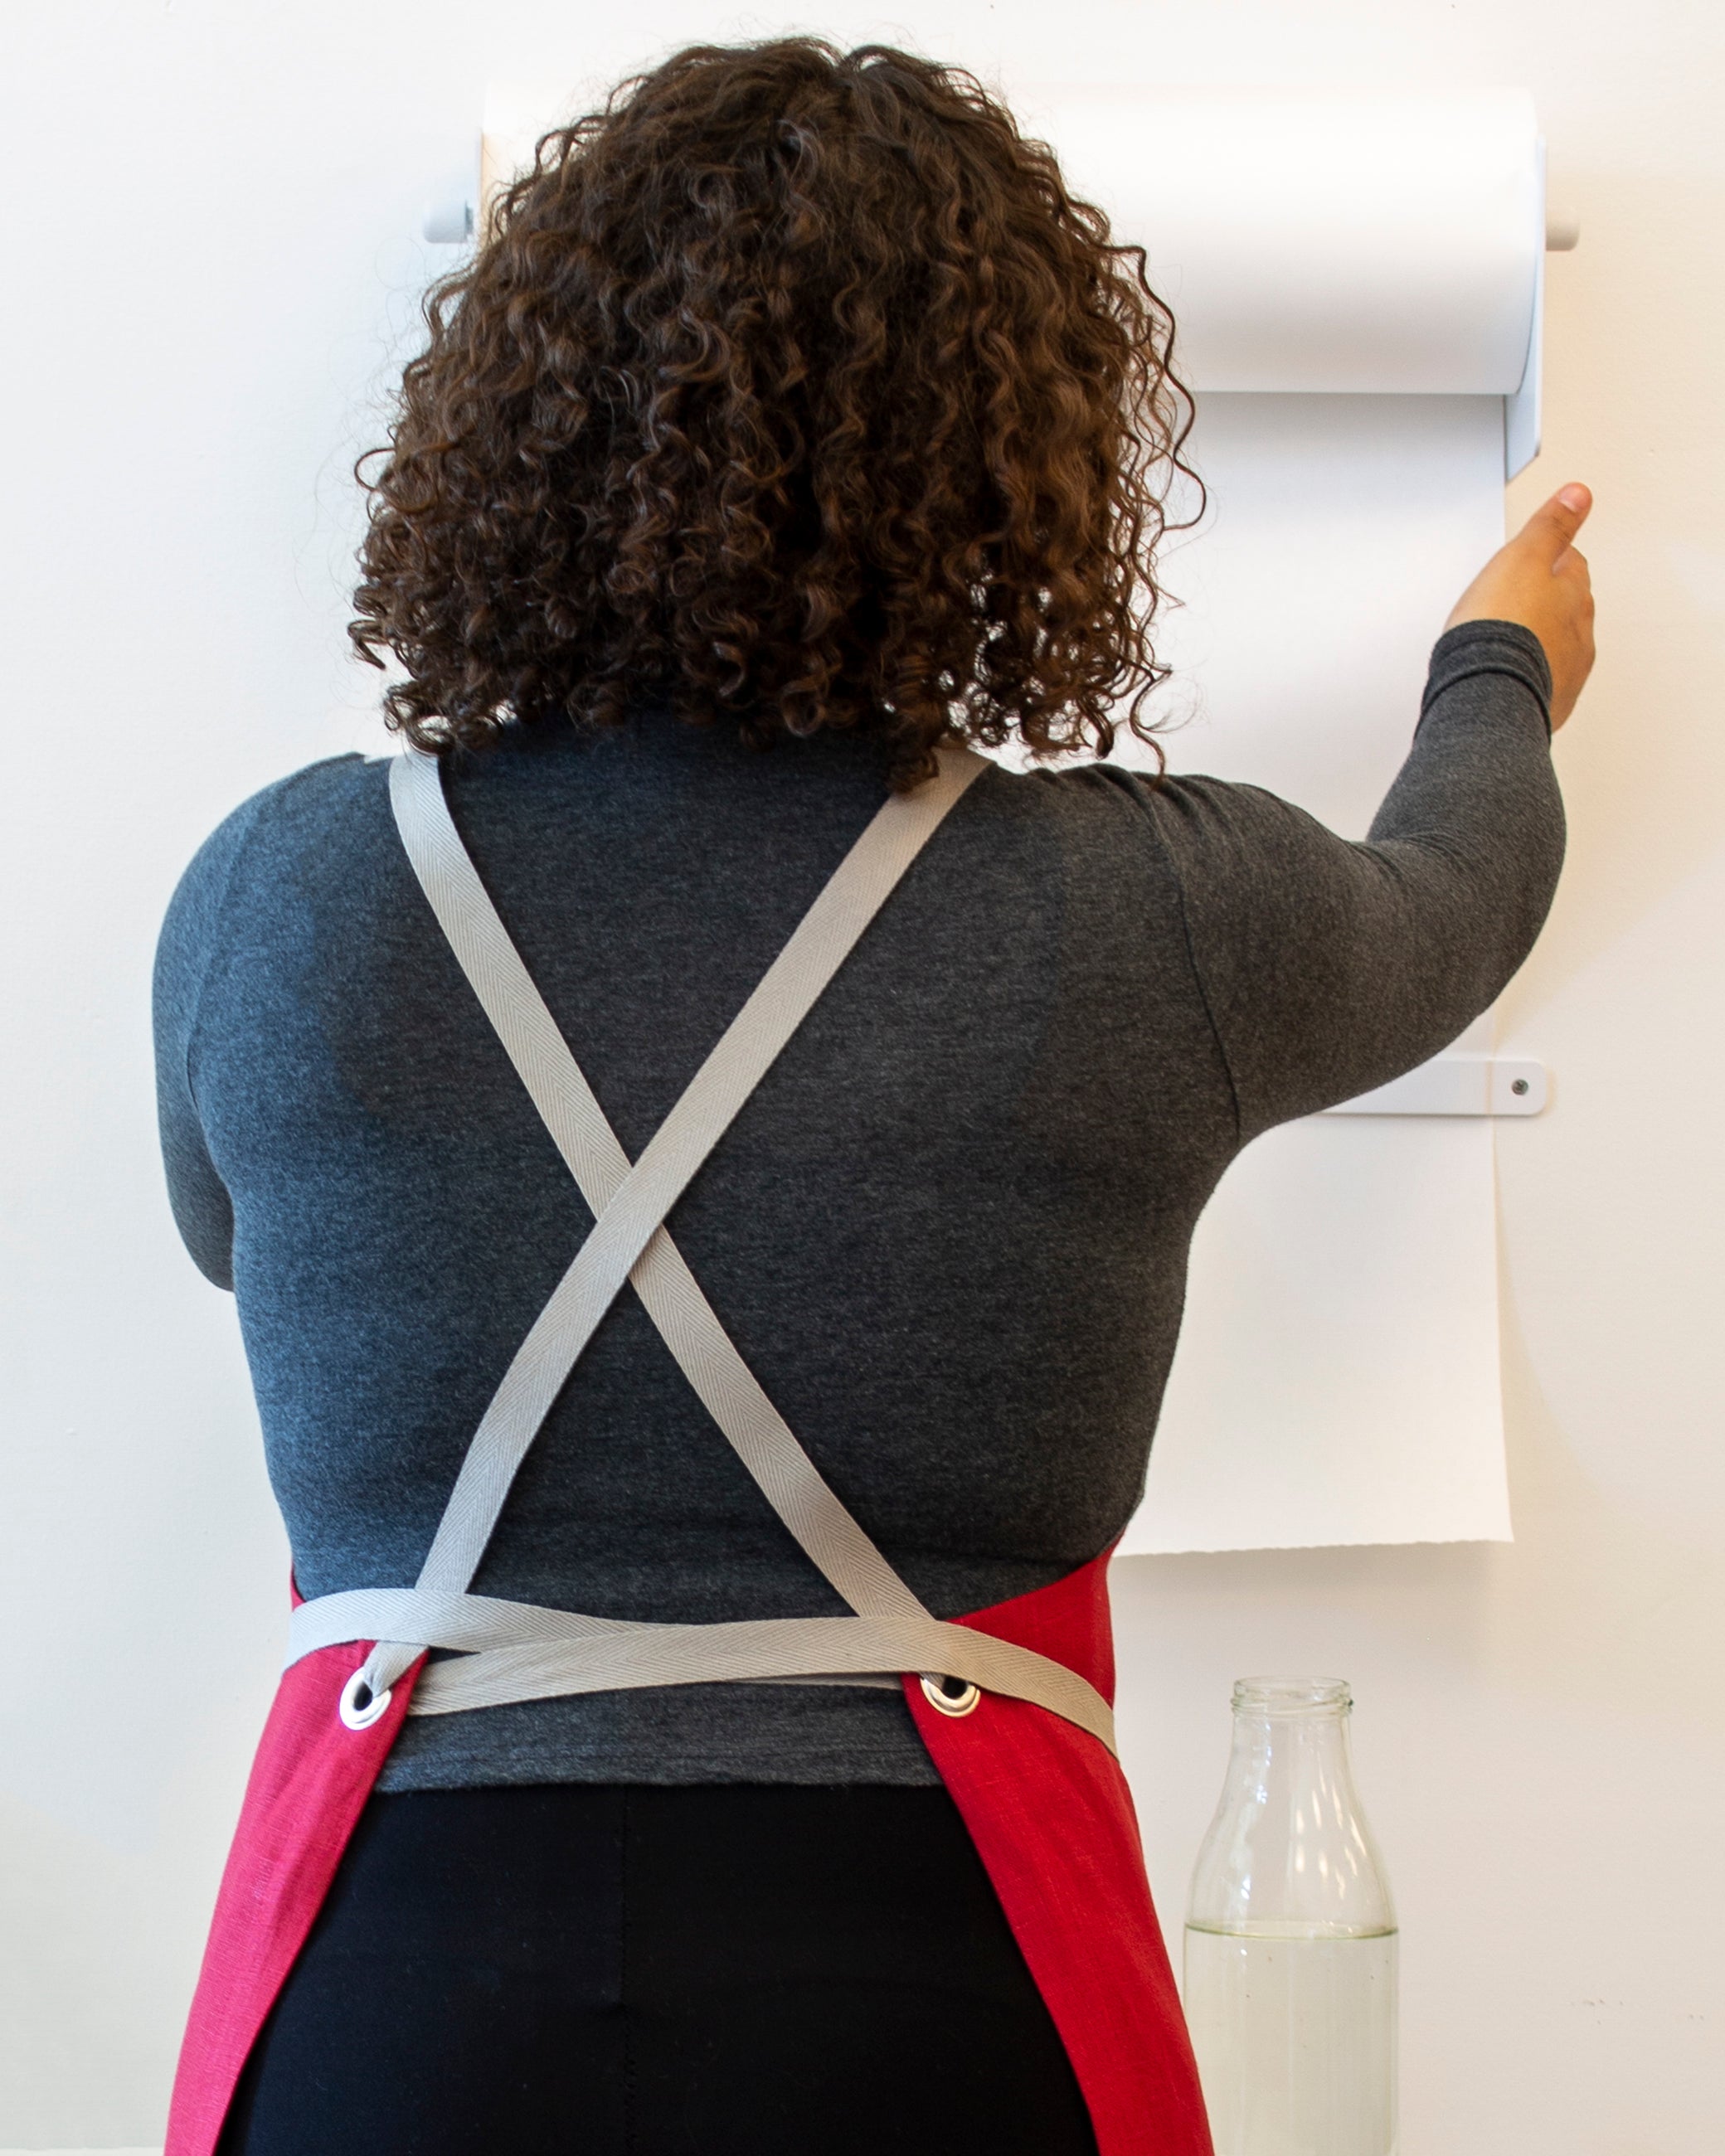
(209, 206)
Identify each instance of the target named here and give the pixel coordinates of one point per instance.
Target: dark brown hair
(793, 389)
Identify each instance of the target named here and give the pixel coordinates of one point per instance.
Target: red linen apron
(1025, 1746)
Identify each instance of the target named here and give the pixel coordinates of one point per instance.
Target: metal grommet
(955, 1703)
(354, 1716)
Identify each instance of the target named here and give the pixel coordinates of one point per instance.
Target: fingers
(1553, 525)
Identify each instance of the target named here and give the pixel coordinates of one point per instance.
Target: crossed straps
(514, 1650)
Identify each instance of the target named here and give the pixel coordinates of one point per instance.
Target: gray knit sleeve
(1329, 967)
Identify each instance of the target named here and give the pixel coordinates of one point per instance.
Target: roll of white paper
(1322, 242)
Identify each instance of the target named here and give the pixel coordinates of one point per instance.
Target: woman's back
(948, 1232)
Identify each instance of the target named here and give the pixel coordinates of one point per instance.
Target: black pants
(664, 1972)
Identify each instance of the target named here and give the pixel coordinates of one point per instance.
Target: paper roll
(1351, 244)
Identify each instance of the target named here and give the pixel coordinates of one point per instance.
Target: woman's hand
(1539, 580)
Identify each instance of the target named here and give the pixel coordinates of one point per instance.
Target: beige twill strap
(516, 1651)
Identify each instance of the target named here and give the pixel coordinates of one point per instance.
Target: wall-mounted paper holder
(1458, 1086)
(462, 203)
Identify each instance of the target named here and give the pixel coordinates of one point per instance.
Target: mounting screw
(1517, 1085)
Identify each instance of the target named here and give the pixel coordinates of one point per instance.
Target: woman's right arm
(1330, 968)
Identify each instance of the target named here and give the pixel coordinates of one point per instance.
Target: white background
(209, 205)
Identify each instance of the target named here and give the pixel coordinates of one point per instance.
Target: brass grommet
(954, 1703)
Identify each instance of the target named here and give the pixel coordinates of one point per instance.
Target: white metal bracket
(1458, 1086)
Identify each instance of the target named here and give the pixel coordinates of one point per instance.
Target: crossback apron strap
(628, 1241)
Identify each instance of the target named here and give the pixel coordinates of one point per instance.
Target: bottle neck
(1284, 1748)
(1289, 1851)
(1290, 1743)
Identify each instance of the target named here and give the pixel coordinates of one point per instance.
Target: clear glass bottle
(1291, 1939)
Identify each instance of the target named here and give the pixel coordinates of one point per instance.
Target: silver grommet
(955, 1703)
(352, 1714)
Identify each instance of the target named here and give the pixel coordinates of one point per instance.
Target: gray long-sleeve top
(949, 1233)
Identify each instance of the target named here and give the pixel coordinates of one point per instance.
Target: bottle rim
(1292, 1695)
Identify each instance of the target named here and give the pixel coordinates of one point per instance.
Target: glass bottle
(1291, 1939)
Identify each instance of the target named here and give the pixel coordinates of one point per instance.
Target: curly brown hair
(793, 387)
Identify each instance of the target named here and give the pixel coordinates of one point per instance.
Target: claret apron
(1012, 1702)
